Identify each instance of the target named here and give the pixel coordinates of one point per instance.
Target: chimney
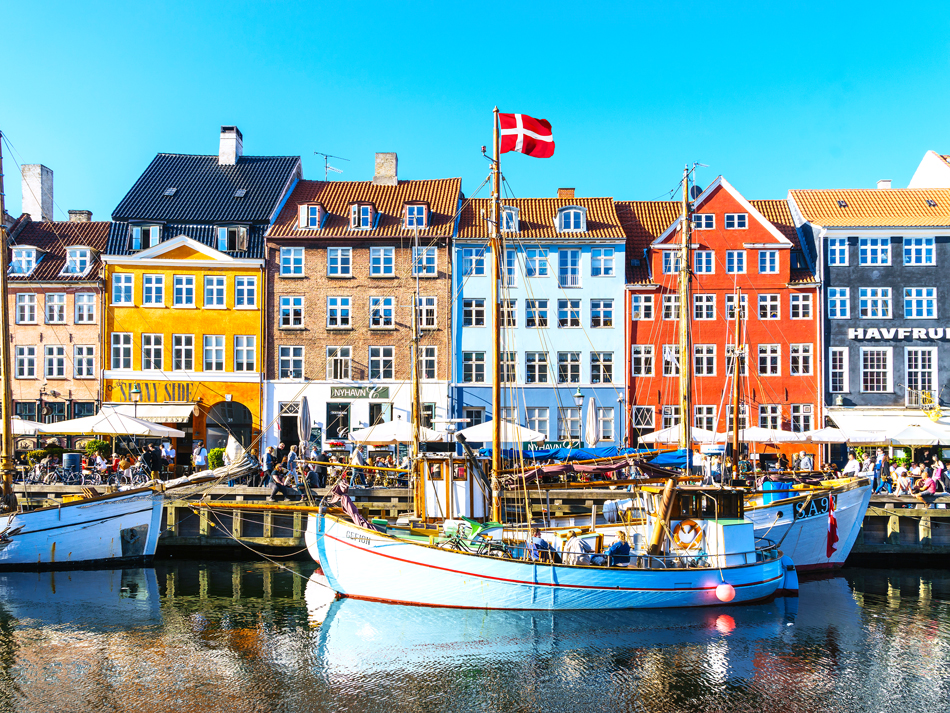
(38, 191)
(567, 193)
(80, 216)
(884, 184)
(231, 147)
(386, 175)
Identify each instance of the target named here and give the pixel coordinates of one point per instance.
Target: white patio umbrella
(591, 432)
(919, 435)
(510, 433)
(391, 432)
(830, 434)
(671, 436)
(112, 423)
(23, 427)
(757, 434)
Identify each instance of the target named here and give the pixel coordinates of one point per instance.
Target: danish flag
(832, 529)
(527, 135)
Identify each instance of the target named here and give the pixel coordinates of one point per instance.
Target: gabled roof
(442, 196)
(204, 190)
(871, 207)
(643, 222)
(536, 218)
(207, 235)
(53, 238)
(776, 211)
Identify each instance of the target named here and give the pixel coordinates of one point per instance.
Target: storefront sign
(155, 391)
(899, 333)
(359, 392)
(549, 445)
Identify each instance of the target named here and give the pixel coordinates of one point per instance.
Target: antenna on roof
(326, 164)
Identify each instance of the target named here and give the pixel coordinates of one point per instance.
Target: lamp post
(136, 395)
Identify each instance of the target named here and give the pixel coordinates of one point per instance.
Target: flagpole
(495, 244)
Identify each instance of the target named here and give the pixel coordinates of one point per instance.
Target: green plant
(34, 457)
(215, 458)
(97, 447)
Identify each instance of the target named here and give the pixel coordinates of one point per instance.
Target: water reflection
(257, 637)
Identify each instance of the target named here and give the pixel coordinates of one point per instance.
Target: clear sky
(773, 95)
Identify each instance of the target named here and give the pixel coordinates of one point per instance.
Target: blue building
(561, 316)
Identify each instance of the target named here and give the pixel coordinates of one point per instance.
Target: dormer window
(143, 237)
(310, 216)
(361, 216)
(572, 219)
(22, 261)
(77, 261)
(416, 216)
(232, 239)
(509, 220)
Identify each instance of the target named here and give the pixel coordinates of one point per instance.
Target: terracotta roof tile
(870, 207)
(53, 238)
(536, 218)
(778, 214)
(442, 195)
(643, 222)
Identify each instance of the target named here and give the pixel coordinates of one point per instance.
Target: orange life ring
(687, 535)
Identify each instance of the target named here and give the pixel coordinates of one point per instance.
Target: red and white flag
(832, 528)
(527, 135)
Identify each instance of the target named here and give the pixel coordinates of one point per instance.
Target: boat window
(703, 504)
(459, 473)
(435, 472)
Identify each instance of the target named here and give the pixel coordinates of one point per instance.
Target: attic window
(170, 192)
(509, 222)
(931, 202)
(143, 237)
(22, 261)
(842, 204)
(416, 216)
(77, 261)
(310, 216)
(361, 216)
(572, 219)
(231, 239)
(239, 193)
(798, 260)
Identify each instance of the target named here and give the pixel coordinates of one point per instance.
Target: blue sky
(771, 95)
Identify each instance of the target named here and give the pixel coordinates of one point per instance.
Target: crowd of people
(924, 478)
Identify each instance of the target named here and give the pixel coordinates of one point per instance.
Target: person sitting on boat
(619, 550)
(540, 549)
(576, 550)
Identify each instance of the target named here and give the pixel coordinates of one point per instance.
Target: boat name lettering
(899, 333)
(812, 508)
(359, 392)
(358, 537)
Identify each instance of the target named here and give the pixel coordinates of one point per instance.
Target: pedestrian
(199, 457)
(270, 463)
(884, 474)
(782, 462)
(805, 462)
(292, 459)
(281, 452)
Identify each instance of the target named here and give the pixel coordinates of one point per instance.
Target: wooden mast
(418, 493)
(686, 359)
(735, 388)
(6, 454)
(496, 257)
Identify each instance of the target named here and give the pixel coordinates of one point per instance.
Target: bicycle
(458, 543)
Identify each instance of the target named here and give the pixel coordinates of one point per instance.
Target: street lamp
(136, 395)
(578, 398)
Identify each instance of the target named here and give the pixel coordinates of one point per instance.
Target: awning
(890, 422)
(156, 413)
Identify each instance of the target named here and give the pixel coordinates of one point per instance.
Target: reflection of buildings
(185, 270)
(55, 305)
(342, 276)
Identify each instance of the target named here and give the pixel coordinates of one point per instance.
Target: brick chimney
(567, 193)
(386, 173)
(884, 184)
(80, 216)
(38, 191)
(231, 147)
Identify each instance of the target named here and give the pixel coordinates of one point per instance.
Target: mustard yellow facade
(184, 326)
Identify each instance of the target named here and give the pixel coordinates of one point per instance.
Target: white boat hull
(115, 529)
(365, 564)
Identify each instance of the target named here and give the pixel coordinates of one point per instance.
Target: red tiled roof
(779, 215)
(536, 217)
(871, 207)
(442, 196)
(643, 222)
(52, 238)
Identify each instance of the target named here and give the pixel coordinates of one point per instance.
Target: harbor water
(241, 636)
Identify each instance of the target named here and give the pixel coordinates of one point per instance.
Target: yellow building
(183, 339)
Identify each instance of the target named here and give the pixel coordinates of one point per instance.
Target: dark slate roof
(204, 190)
(51, 239)
(204, 234)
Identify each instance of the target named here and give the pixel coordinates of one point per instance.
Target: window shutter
(302, 216)
(242, 239)
(354, 215)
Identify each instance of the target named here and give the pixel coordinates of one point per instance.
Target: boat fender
(725, 592)
(688, 535)
(789, 586)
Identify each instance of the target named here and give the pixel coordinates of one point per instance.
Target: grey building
(883, 260)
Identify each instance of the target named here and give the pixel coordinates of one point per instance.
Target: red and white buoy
(725, 592)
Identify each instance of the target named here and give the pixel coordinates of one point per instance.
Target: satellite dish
(695, 192)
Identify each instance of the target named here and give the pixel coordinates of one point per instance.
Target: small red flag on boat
(527, 135)
(832, 527)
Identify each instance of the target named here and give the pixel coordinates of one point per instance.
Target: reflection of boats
(93, 600)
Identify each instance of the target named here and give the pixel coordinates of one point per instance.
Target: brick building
(342, 274)
(742, 251)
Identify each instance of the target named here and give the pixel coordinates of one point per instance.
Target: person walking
(270, 462)
(199, 457)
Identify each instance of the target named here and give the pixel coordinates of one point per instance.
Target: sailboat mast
(686, 358)
(418, 493)
(495, 243)
(735, 387)
(6, 455)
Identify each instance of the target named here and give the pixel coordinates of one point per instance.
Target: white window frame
(475, 307)
(473, 261)
(216, 287)
(428, 306)
(879, 300)
(643, 417)
(572, 316)
(382, 261)
(934, 391)
(770, 416)
(602, 262)
(804, 355)
(84, 361)
(54, 361)
(602, 314)
(770, 301)
(143, 237)
(361, 216)
(839, 303)
(537, 418)
(153, 351)
(605, 422)
(339, 312)
(473, 365)
(26, 361)
(416, 216)
(508, 368)
(704, 221)
(838, 252)
(920, 251)
(183, 352)
(801, 304)
(737, 221)
(536, 314)
(153, 290)
(425, 262)
(601, 367)
(290, 312)
(213, 353)
(120, 352)
(704, 416)
(874, 252)
(736, 260)
(641, 308)
(671, 360)
(245, 353)
(568, 423)
(671, 416)
(888, 373)
(537, 368)
(22, 261)
(290, 361)
(569, 263)
(920, 299)
(84, 306)
(428, 363)
(768, 262)
(839, 354)
(536, 262)
(509, 269)
(183, 286)
(382, 363)
(672, 260)
(508, 313)
(245, 292)
(704, 307)
(123, 286)
(292, 262)
(704, 359)
(382, 312)
(671, 307)
(339, 262)
(78, 261)
(641, 360)
(569, 365)
(731, 307)
(55, 311)
(772, 354)
(800, 412)
(572, 219)
(509, 219)
(339, 363)
(704, 262)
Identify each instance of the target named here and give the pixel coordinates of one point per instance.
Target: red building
(744, 252)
